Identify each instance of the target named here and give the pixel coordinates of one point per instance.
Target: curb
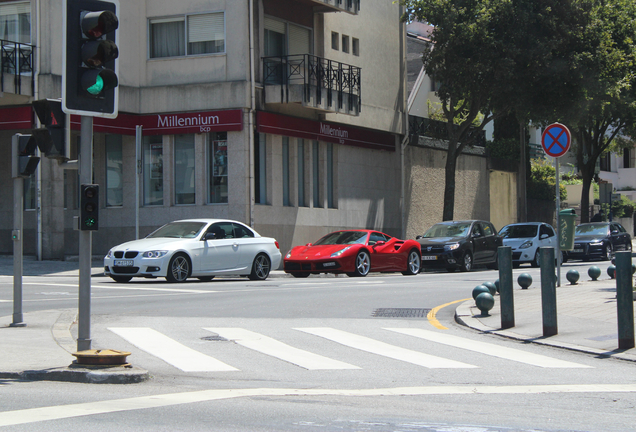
(75, 374)
(465, 317)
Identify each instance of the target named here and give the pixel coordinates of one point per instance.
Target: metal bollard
(548, 292)
(506, 299)
(624, 300)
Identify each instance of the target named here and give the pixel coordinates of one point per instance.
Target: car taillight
(277, 247)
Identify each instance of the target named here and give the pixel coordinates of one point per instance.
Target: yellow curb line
(432, 314)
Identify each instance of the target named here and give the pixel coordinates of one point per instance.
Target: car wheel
(363, 264)
(608, 253)
(179, 268)
(260, 267)
(467, 262)
(412, 263)
(536, 261)
(205, 278)
(121, 279)
(300, 275)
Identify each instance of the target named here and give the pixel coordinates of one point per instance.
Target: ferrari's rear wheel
(300, 275)
(412, 264)
(179, 268)
(363, 264)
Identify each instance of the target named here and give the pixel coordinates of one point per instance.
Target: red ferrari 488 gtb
(356, 253)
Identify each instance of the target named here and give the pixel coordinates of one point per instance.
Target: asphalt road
(237, 355)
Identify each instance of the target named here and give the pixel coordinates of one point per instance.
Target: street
(317, 354)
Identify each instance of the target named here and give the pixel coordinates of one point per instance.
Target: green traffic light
(96, 88)
(90, 222)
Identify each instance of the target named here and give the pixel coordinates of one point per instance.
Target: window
(286, 199)
(315, 160)
(114, 171)
(242, 232)
(334, 41)
(355, 46)
(301, 173)
(15, 22)
(345, 43)
(187, 35)
(184, 179)
(153, 170)
(330, 177)
(29, 193)
(260, 169)
(217, 168)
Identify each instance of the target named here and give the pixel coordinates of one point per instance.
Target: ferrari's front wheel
(412, 264)
(300, 275)
(363, 264)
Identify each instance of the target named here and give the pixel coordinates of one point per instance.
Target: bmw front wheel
(179, 268)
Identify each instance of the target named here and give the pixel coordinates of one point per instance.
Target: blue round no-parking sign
(556, 140)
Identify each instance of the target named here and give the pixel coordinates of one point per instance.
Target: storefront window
(184, 179)
(114, 171)
(286, 200)
(29, 193)
(153, 170)
(260, 170)
(217, 171)
(315, 159)
(330, 183)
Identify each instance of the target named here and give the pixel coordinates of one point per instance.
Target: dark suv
(460, 245)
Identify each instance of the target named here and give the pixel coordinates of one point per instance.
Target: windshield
(519, 231)
(448, 230)
(178, 230)
(592, 229)
(343, 238)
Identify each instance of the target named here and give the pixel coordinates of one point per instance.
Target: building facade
(284, 114)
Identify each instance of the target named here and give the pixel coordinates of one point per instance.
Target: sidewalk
(586, 317)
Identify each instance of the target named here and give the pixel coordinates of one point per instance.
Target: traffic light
(24, 161)
(90, 76)
(89, 207)
(52, 137)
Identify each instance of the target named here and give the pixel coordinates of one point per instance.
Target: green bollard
(506, 296)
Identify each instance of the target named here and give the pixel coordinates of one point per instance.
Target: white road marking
(489, 349)
(274, 348)
(131, 288)
(33, 415)
(384, 349)
(170, 351)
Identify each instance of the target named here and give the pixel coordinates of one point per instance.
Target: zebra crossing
(188, 359)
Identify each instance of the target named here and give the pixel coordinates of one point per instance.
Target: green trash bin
(567, 221)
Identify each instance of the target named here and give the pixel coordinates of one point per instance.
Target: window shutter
(206, 27)
(299, 40)
(15, 9)
(275, 25)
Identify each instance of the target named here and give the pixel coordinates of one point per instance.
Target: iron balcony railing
(16, 59)
(320, 78)
(421, 126)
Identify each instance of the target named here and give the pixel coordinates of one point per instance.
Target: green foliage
(504, 148)
(623, 208)
(542, 182)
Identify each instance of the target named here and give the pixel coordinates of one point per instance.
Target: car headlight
(154, 254)
(526, 245)
(451, 247)
(109, 254)
(288, 255)
(340, 252)
(596, 243)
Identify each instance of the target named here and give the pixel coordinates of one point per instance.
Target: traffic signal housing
(89, 207)
(90, 76)
(24, 160)
(52, 138)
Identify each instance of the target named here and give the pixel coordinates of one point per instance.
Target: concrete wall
(503, 198)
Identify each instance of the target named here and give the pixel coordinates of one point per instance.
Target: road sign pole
(558, 221)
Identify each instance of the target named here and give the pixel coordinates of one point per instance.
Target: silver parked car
(201, 248)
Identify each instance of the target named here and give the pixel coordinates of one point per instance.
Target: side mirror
(543, 236)
(379, 243)
(308, 244)
(418, 237)
(209, 236)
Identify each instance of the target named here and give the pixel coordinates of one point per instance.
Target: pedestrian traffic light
(52, 138)
(90, 69)
(24, 160)
(89, 207)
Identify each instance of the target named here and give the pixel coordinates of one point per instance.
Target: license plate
(577, 250)
(124, 263)
(329, 264)
(429, 257)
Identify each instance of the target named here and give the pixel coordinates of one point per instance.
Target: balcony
(314, 82)
(16, 68)
(349, 6)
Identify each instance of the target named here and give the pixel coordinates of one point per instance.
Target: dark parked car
(460, 245)
(599, 240)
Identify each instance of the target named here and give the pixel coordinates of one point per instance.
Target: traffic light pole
(85, 240)
(18, 205)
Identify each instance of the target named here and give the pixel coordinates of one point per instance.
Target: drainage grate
(400, 313)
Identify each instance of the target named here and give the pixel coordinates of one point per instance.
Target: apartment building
(284, 114)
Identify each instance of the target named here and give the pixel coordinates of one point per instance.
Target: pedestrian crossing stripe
(280, 350)
(488, 348)
(384, 349)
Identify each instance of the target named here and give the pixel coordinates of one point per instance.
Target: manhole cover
(400, 313)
